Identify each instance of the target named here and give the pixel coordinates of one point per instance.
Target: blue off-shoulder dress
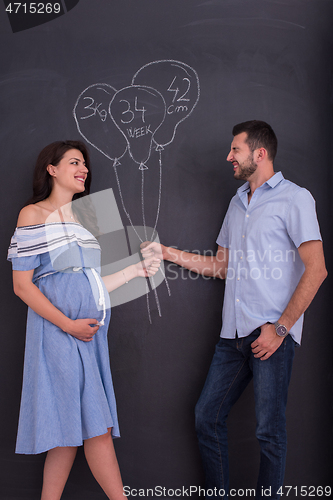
(67, 393)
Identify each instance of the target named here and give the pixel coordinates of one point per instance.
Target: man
(270, 253)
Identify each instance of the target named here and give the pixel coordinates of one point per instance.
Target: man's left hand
(267, 342)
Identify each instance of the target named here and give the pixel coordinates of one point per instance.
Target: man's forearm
(313, 276)
(301, 298)
(207, 265)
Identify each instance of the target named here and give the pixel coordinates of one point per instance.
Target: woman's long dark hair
(43, 181)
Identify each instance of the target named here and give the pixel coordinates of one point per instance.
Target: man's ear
(51, 170)
(261, 154)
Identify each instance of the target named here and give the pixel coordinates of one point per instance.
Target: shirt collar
(272, 182)
(275, 180)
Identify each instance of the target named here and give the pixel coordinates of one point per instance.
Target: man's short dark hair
(259, 135)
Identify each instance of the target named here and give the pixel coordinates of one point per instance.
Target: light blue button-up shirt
(264, 264)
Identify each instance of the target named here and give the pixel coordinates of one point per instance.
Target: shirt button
(247, 215)
(237, 300)
(243, 236)
(77, 269)
(238, 279)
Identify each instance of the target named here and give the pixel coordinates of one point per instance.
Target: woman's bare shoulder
(31, 215)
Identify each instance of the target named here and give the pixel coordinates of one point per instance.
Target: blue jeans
(232, 368)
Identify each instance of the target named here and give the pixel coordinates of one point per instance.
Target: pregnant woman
(67, 395)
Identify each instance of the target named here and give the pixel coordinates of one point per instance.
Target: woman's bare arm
(144, 269)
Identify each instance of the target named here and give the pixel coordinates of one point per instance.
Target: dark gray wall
(269, 60)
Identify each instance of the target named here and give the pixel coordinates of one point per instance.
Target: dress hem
(114, 436)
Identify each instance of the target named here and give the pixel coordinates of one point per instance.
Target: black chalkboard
(154, 89)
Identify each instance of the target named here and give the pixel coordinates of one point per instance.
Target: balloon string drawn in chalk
(143, 202)
(115, 164)
(159, 193)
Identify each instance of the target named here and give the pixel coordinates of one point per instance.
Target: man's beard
(246, 169)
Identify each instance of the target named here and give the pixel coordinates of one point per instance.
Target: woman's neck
(59, 199)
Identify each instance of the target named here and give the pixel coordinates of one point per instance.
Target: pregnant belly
(70, 293)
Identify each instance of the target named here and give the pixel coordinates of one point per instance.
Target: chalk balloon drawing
(179, 85)
(91, 113)
(139, 119)
(138, 112)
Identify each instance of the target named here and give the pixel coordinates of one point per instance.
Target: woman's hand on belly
(81, 329)
(38, 302)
